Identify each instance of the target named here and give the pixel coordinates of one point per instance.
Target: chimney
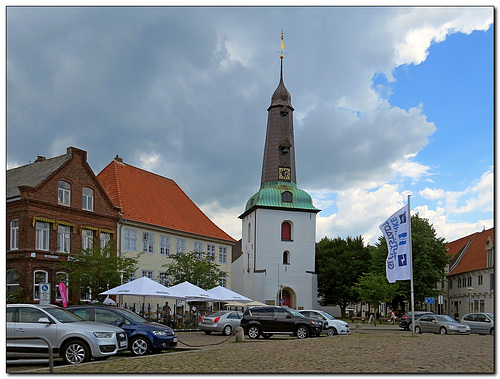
(118, 159)
(40, 158)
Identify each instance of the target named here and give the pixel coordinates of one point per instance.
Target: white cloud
(432, 194)
(437, 24)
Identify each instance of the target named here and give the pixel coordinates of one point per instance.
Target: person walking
(167, 315)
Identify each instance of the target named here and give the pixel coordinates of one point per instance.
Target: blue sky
(389, 101)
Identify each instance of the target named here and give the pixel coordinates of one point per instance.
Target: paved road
(380, 349)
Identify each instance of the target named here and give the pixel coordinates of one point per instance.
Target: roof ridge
(463, 251)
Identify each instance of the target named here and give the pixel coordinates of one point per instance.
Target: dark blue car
(143, 336)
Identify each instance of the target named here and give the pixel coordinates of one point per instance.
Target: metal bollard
(240, 334)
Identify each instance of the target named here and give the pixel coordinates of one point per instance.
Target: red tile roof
(155, 200)
(469, 253)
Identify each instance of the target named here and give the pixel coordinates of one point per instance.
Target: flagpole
(411, 273)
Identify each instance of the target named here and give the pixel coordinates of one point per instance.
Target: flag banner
(63, 293)
(396, 231)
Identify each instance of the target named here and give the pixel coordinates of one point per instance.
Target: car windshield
(295, 313)
(131, 315)
(62, 315)
(328, 315)
(443, 318)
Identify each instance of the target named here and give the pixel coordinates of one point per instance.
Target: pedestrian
(455, 316)
(167, 315)
(393, 317)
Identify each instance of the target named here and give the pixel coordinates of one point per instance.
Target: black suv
(405, 322)
(270, 320)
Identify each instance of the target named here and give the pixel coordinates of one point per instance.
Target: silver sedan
(441, 324)
(221, 321)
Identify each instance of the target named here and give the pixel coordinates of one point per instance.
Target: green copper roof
(270, 195)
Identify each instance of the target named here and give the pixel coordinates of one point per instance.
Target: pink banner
(62, 291)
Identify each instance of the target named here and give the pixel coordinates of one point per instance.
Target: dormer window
(64, 193)
(286, 197)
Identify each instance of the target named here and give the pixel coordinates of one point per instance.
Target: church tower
(279, 222)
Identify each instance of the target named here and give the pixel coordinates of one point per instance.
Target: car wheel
(443, 330)
(331, 331)
(302, 332)
(418, 330)
(140, 346)
(410, 327)
(227, 330)
(492, 331)
(75, 352)
(253, 332)
(208, 331)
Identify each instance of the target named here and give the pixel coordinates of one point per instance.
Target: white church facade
(276, 265)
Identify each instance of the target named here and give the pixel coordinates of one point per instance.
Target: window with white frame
(164, 245)
(14, 234)
(211, 250)
(39, 276)
(64, 193)
(104, 239)
(148, 274)
(63, 238)
(42, 235)
(198, 248)
(222, 254)
(130, 239)
(87, 238)
(61, 277)
(479, 280)
(180, 246)
(148, 242)
(88, 199)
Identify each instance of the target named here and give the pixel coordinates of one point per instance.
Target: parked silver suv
(75, 340)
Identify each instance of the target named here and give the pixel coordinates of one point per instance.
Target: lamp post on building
(120, 300)
(471, 309)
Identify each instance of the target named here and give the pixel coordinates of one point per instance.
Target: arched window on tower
(286, 231)
(286, 257)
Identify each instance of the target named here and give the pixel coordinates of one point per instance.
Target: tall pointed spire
(279, 154)
(278, 186)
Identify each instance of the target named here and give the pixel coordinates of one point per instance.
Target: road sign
(441, 299)
(429, 300)
(44, 293)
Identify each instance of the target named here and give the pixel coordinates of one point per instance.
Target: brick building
(54, 206)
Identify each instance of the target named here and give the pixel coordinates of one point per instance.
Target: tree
(374, 289)
(429, 262)
(339, 264)
(95, 270)
(194, 267)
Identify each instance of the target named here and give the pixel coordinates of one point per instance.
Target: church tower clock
(276, 265)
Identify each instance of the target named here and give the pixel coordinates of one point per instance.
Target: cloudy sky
(389, 101)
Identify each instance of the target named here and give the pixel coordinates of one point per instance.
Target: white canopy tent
(190, 292)
(144, 287)
(224, 294)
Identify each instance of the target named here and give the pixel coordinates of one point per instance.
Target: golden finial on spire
(282, 45)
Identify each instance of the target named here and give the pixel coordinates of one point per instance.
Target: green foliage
(195, 267)
(429, 262)
(15, 297)
(339, 264)
(96, 270)
(375, 289)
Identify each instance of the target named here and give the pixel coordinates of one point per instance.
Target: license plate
(175, 339)
(123, 343)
